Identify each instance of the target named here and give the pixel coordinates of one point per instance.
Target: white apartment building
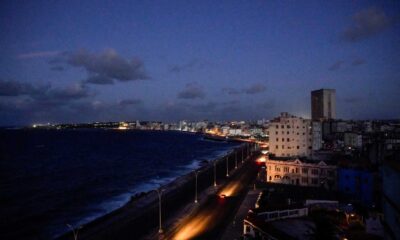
(316, 136)
(290, 136)
(235, 132)
(303, 173)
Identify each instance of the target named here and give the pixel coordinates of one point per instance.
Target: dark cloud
(179, 68)
(129, 102)
(336, 66)
(191, 91)
(57, 68)
(14, 88)
(232, 102)
(99, 79)
(231, 91)
(366, 23)
(43, 94)
(253, 89)
(37, 54)
(357, 62)
(256, 88)
(74, 92)
(104, 67)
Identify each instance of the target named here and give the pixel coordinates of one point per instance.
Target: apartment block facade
(290, 136)
(302, 173)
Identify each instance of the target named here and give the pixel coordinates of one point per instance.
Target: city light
(195, 226)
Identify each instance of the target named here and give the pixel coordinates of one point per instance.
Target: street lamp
(74, 231)
(235, 159)
(215, 173)
(195, 197)
(159, 192)
(242, 155)
(227, 166)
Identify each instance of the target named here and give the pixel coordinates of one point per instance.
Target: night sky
(85, 61)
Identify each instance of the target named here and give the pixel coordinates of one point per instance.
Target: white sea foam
(120, 200)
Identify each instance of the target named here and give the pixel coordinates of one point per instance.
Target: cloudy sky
(83, 61)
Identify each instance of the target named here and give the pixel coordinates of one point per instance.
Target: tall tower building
(323, 104)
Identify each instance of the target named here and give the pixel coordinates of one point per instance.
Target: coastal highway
(218, 210)
(139, 218)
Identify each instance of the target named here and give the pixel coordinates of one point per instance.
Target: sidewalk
(235, 229)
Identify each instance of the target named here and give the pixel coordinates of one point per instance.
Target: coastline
(141, 210)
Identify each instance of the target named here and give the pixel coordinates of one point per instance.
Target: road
(218, 210)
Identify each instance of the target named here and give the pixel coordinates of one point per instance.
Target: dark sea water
(50, 178)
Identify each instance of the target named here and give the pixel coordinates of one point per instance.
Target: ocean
(51, 178)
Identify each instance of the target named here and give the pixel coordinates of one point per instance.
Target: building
(290, 136)
(316, 135)
(301, 172)
(391, 197)
(358, 184)
(280, 206)
(323, 104)
(352, 140)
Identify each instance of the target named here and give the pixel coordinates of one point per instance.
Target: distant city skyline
(232, 60)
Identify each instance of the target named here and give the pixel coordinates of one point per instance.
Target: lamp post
(235, 159)
(74, 231)
(242, 155)
(159, 192)
(227, 166)
(195, 196)
(215, 173)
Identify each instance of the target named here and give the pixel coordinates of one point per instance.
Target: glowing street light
(74, 231)
(195, 197)
(215, 173)
(242, 156)
(227, 166)
(235, 159)
(159, 192)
